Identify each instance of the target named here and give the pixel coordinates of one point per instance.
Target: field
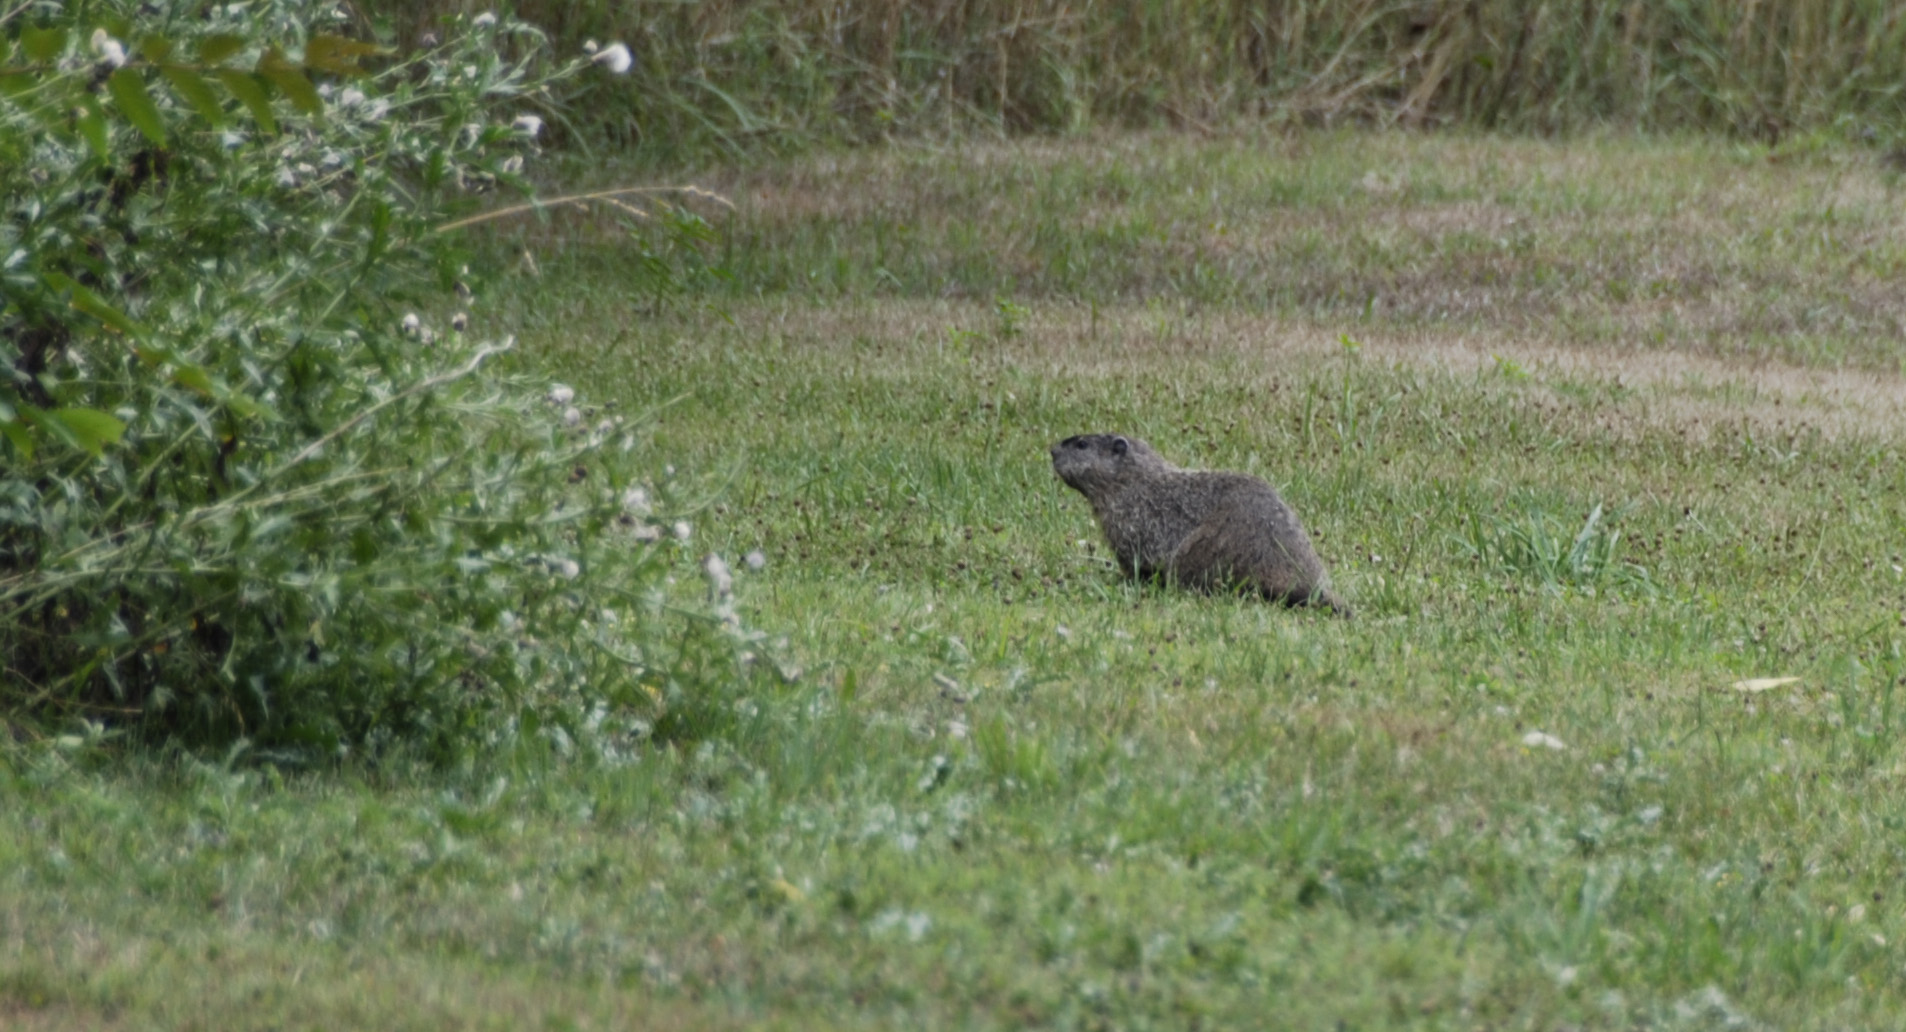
(1599, 436)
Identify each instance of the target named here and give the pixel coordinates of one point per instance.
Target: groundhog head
(1093, 463)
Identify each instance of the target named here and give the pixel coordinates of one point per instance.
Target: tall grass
(741, 73)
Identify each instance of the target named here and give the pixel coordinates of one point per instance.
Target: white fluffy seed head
(110, 50)
(615, 57)
(721, 583)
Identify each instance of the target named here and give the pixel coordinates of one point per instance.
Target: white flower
(683, 530)
(755, 560)
(486, 18)
(560, 394)
(460, 321)
(566, 569)
(589, 46)
(604, 426)
(528, 125)
(635, 501)
(351, 97)
(615, 57)
(1539, 738)
(572, 416)
(109, 49)
(511, 165)
(378, 109)
(411, 323)
(721, 583)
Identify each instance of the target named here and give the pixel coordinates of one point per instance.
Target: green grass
(1010, 789)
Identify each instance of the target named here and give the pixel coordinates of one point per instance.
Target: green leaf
(252, 94)
(15, 430)
(129, 92)
(213, 49)
(154, 357)
(338, 55)
(90, 429)
(155, 48)
(92, 128)
(94, 305)
(194, 378)
(43, 44)
(244, 406)
(194, 90)
(290, 78)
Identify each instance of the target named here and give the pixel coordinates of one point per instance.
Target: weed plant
(251, 495)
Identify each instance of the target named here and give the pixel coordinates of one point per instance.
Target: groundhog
(1209, 531)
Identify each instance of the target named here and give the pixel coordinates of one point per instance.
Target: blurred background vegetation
(741, 75)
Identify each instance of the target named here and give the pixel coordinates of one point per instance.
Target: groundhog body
(1209, 531)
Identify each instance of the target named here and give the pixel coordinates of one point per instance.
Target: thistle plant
(248, 493)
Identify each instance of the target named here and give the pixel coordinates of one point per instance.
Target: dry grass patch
(1630, 244)
(1625, 392)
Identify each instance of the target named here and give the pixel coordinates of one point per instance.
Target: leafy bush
(246, 495)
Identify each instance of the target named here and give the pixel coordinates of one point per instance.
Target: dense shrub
(249, 493)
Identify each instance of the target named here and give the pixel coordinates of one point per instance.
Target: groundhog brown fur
(1203, 530)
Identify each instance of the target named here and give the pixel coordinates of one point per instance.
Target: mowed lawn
(1601, 438)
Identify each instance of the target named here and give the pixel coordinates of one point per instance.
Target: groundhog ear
(1120, 445)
